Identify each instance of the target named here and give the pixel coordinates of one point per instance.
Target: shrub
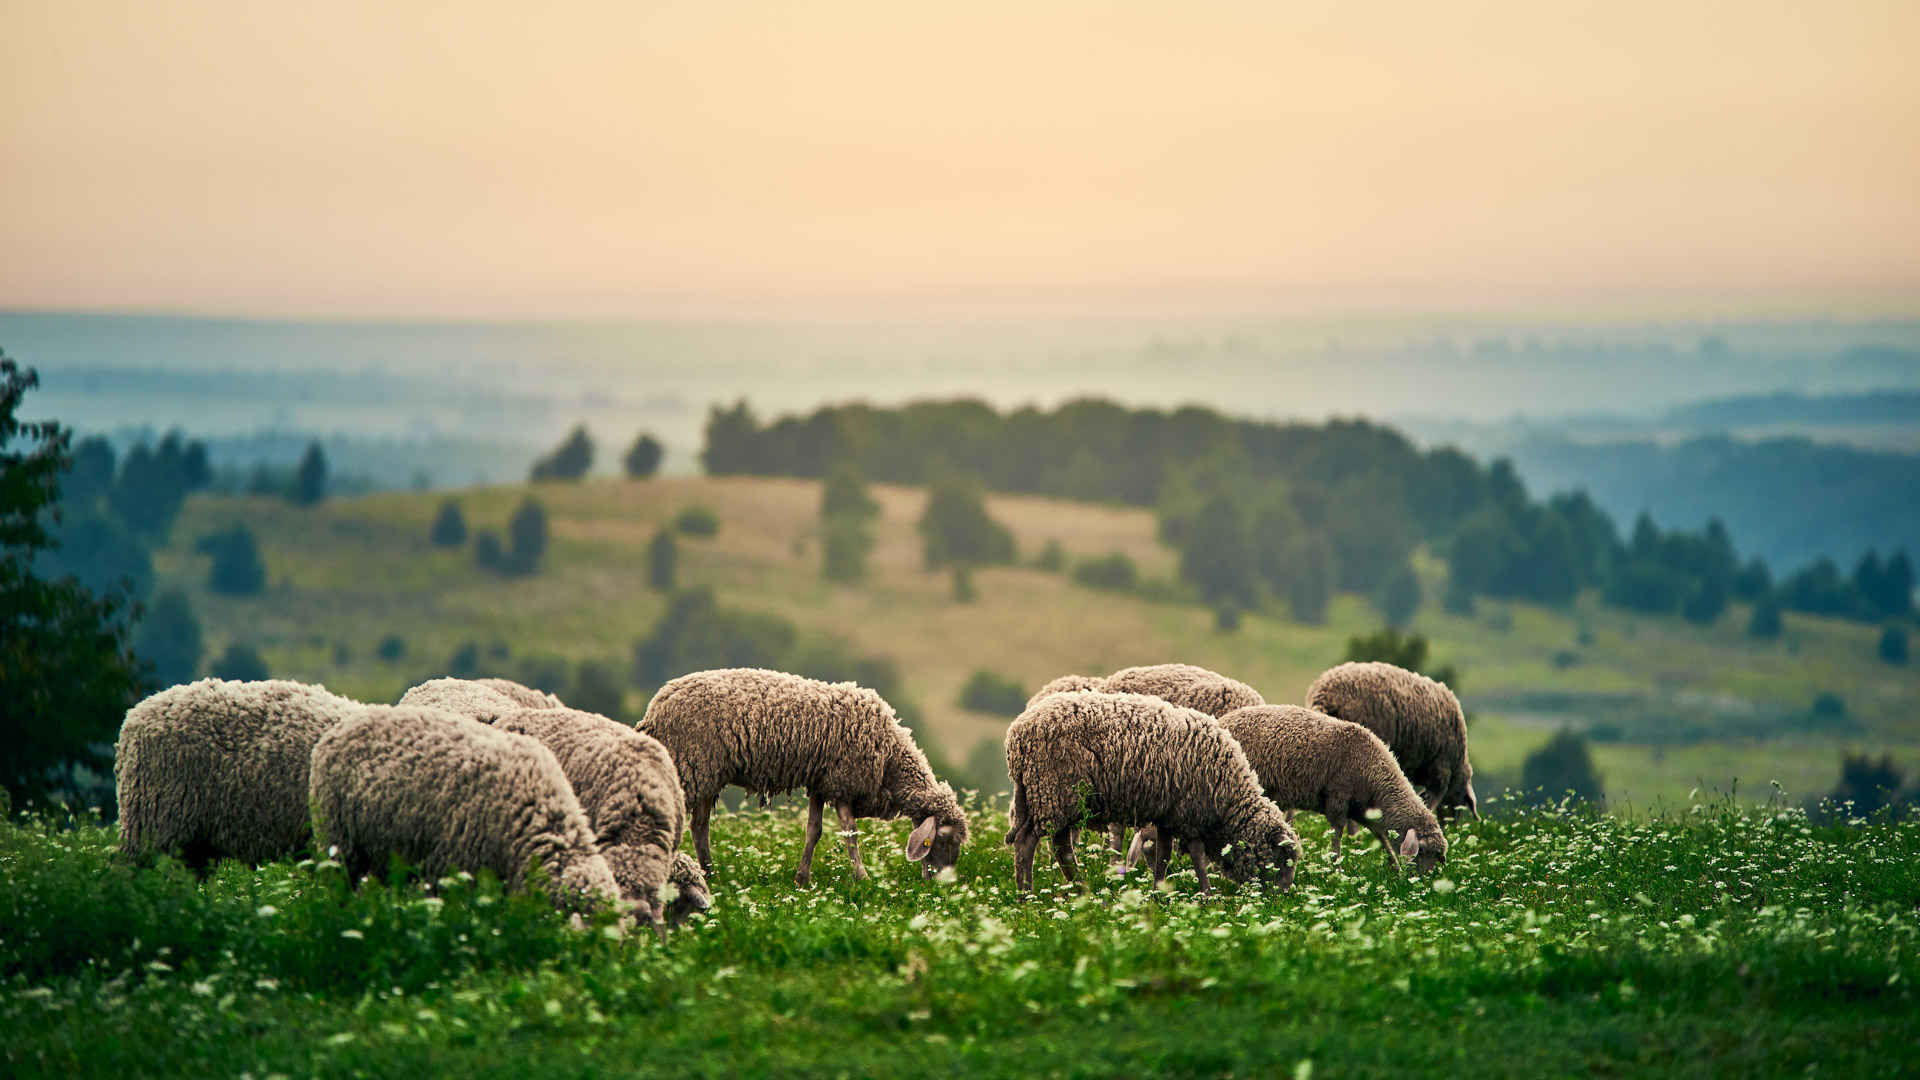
(988, 692)
(1562, 766)
(543, 672)
(237, 569)
(663, 556)
(695, 633)
(1388, 645)
(568, 461)
(392, 648)
(310, 478)
(342, 655)
(449, 526)
(844, 494)
(1052, 558)
(956, 530)
(1565, 658)
(1893, 645)
(1226, 618)
(488, 552)
(527, 536)
(241, 663)
(643, 457)
(465, 662)
(697, 521)
(844, 547)
(1111, 571)
(168, 640)
(1765, 622)
(596, 688)
(1705, 602)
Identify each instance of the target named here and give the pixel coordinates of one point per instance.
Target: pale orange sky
(558, 159)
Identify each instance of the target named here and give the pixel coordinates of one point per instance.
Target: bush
(1893, 645)
(844, 494)
(1705, 603)
(168, 640)
(449, 526)
(1112, 571)
(237, 569)
(465, 662)
(695, 634)
(1389, 646)
(310, 478)
(392, 648)
(98, 552)
(596, 688)
(241, 663)
(1765, 622)
(1052, 558)
(844, 547)
(643, 457)
(1226, 618)
(663, 557)
(697, 521)
(488, 552)
(956, 530)
(1562, 766)
(988, 692)
(342, 655)
(543, 672)
(568, 461)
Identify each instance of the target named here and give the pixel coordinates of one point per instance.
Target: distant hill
(1896, 407)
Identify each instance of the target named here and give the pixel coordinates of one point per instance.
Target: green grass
(1714, 940)
(351, 571)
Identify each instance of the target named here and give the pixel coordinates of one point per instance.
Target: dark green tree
(237, 569)
(1399, 598)
(643, 457)
(527, 537)
(67, 675)
(596, 688)
(568, 461)
(663, 557)
(845, 543)
(1765, 622)
(488, 551)
(1893, 645)
(697, 521)
(844, 494)
(1218, 558)
(310, 477)
(1561, 766)
(91, 477)
(1896, 583)
(449, 525)
(148, 493)
(1308, 583)
(956, 529)
(1705, 603)
(990, 692)
(240, 663)
(100, 553)
(168, 640)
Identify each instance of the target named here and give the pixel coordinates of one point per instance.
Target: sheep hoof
(802, 879)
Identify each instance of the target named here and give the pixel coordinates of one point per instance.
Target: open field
(352, 571)
(1711, 941)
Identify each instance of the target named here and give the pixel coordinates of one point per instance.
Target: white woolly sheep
(1308, 761)
(216, 769)
(445, 793)
(1094, 759)
(524, 696)
(769, 731)
(687, 886)
(1419, 719)
(472, 698)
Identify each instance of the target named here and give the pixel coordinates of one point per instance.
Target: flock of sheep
(491, 775)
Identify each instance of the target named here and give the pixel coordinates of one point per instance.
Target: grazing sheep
(1307, 761)
(471, 698)
(216, 769)
(1419, 720)
(627, 785)
(1067, 684)
(447, 794)
(688, 887)
(769, 731)
(1095, 759)
(525, 696)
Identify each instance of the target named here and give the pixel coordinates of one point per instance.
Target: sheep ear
(1409, 845)
(921, 840)
(1138, 849)
(1473, 802)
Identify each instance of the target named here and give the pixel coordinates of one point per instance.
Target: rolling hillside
(350, 572)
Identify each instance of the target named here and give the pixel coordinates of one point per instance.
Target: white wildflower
(266, 911)
(354, 934)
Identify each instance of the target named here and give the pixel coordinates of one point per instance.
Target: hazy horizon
(861, 160)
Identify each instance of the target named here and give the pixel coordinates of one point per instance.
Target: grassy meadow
(349, 572)
(1712, 940)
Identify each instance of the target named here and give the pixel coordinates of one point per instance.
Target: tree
(527, 537)
(1893, 645)
(67, 675)
(1867, 784)
(310, 478)
(168, 640)
(844, 494)
(1308, 584)
(100, 553)
(1765, 623)
(1564, 765)
(449, 525)
(845, 543)
(91, 476)
(237, 569)
(955, 527)
(596, 688)
(488, 551)
(1897, 585)
(240, 663)
(1400, 597)
(1705, 603)
(568, 461)
(1218, 558)
(643, 457)
(989, 692)
(663, 554)
(1409, 651)
(148, 493)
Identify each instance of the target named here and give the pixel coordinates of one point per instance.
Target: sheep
(214, 769)
(472, 698)
(1182, 684)
(771, 731)
(1094, 758)
(524, 696)
(1309, 761)
(627, 785)
(688, 888)
(445, 794)
(1419, 720)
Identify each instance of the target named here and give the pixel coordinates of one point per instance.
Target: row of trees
(573, 458)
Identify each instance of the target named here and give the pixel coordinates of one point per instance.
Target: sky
(483, 159)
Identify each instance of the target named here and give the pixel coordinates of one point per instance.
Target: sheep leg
(1197, 851)
(1023, 845)
(804, 876)
(1163, 844)
(702, 818)
(1063, 853)
(1337, 824)
(1117, 840)
(851, 832)
(1379, 829)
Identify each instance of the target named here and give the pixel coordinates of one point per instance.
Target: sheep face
(687, 886)
(1269, 856)
(1428, 852)
(935, 845)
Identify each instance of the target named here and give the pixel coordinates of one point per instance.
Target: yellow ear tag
(926, 843)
